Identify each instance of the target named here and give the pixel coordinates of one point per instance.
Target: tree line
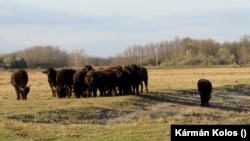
(187, 51)
(49, 56)
(177, 52)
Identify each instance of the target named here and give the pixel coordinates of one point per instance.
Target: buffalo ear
(45, 71)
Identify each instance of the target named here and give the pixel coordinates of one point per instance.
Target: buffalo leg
(142, 87)
(18, 92)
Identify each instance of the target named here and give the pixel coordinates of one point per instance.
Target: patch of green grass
(9, 135)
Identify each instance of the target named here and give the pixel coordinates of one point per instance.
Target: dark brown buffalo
(88, 67)
(121, 79)
(51, 73)
(107, 81)
(91, 80)
(127, 80)
(205, 89)
(144, 78)
(64, 82)
(19, 80)
(134, 77)
(79, 83)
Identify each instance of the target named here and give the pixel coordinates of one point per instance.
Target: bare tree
(44, 56)
(77, 58)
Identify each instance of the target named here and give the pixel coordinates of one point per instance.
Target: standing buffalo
(19, 80)
(107, 81)
(79, 83)
(121, 80)
(64, 82)
(135, 78)
(51, 73)
(205, 89)
(91, 81)
(144, 78)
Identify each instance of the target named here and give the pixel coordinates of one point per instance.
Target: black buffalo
(144, 78)
(205, 89)
(19, 80)
(51, 73)
(64, 82)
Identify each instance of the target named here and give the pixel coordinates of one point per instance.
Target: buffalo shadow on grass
(192, 98)
(241, 89)
(171, 97)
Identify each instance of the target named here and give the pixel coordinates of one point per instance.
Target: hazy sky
(107, 27)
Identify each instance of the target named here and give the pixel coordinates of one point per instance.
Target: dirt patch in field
(92, 115)
(171, 106)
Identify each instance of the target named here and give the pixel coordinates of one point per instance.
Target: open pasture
(172, 99)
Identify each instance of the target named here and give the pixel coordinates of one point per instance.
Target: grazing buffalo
(51, 73)
(64, 82)
(19, 80)
(205, 89)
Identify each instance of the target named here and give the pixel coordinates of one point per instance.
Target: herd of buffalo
(85, 82)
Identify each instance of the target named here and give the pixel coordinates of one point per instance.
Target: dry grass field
(172, 99)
